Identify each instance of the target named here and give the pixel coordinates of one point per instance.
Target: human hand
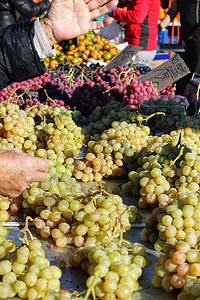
(67, 19)
(110, 13)
(18, 170)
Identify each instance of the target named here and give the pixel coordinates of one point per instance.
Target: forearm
(47, 30)
(165, 21)
(170, 15)
(41, 42)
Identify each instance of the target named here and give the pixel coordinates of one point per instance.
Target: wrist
(46, 26)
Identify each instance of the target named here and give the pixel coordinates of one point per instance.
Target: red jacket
(141, 20)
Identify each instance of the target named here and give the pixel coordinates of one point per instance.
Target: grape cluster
(88, 96)
(180, 224)
(178, 220)
(154, 179)
(62, 136)
(7, 204)
(174, 111)
(25, 271)
(17, 129)
(6, 245)
(42, 89)
(183, 136)
(57, 138)
(113, 270)
(166, 172)
(178, 268)
(114, 151)
(70, 217)
(102, 117)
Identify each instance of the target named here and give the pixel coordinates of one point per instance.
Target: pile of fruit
(86, 47)
(114, 269)
(25, 271)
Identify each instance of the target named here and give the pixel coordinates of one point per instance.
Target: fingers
(103, 9)
(36, 168)
(40, 164)
(94, 4)
(100, 24)
(37, 177)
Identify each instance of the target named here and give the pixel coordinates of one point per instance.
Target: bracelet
(159, 27)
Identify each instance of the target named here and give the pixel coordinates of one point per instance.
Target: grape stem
(153, 88)
(146, 118)
(196, 102)
(91, 288)
(118, 220)
(180, 138)
(79, 139)
(82, 76)
(91, 194)
(26, 230)
(30, 108)
(127, 79)
(180, 154)
(112, 87)
(48, 98)
(12, 93)
(106, 193)
(70, 76)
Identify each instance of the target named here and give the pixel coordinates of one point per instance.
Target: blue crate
(163, 37)
(175, 40)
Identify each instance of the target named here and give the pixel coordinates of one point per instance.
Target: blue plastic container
(163, 37)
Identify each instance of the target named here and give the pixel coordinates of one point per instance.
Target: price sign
(167, 73)
(123, 57)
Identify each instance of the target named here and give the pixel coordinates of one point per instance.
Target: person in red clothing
(141, 19)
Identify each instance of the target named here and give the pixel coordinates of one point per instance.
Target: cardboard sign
(167, 73)
(123, 57)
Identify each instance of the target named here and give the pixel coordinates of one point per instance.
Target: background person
(141, 19)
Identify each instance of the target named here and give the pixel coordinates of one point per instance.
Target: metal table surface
(74, 278)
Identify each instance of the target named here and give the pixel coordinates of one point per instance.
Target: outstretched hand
(67, 19)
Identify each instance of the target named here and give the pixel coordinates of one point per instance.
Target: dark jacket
(26, 8)
(18, 58)
(141, 20)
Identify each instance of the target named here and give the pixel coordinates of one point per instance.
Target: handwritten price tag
(123, 57)
(167, 73)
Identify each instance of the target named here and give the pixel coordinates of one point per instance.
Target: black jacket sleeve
(18, 57)
(172, 13)
(28, 9)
